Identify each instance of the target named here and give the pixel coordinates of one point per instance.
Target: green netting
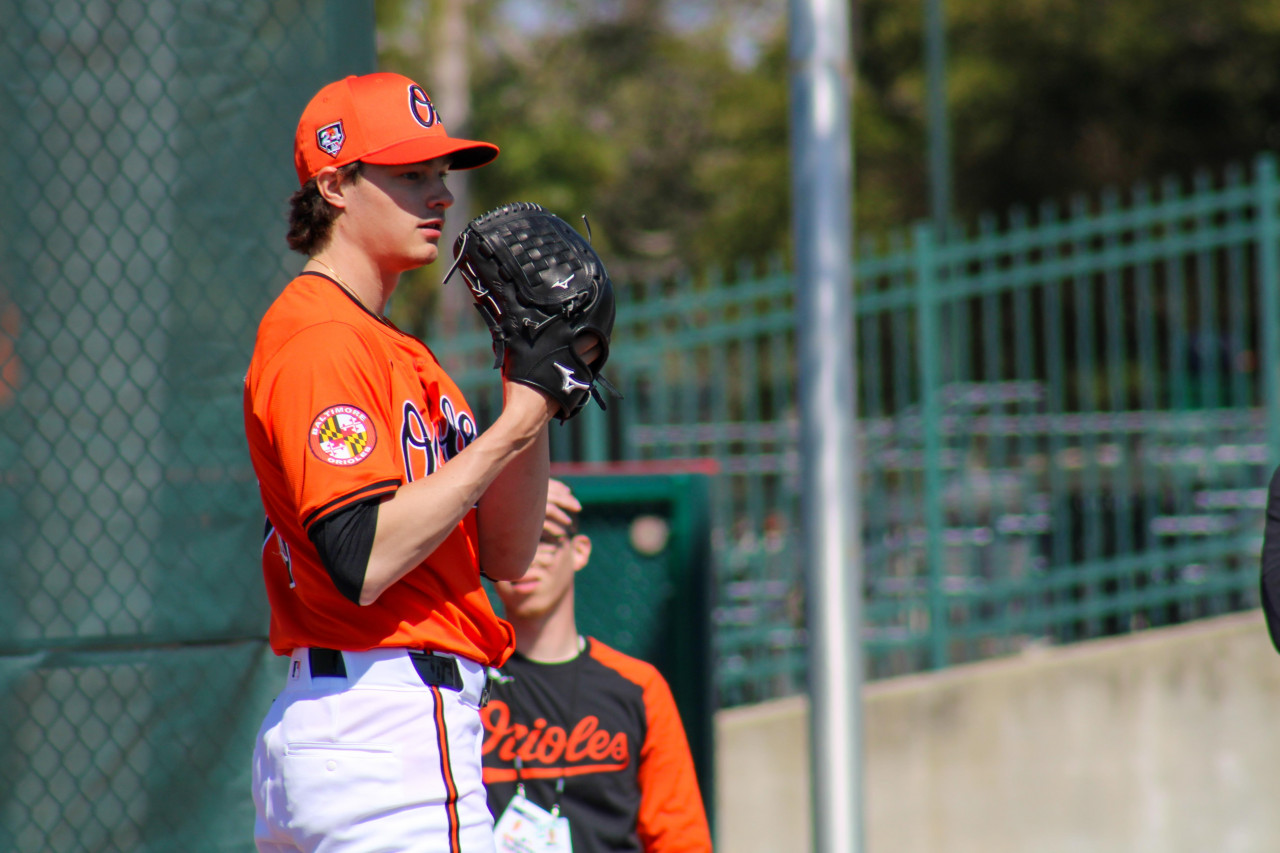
(140, 749)
(147, 171)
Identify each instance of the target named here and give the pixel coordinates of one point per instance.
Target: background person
(1270, 560)
(589, 735)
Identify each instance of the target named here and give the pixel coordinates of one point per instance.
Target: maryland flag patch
(342, 435)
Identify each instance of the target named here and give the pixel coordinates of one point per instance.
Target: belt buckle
(484, 691)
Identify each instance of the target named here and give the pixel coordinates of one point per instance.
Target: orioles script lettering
(586, 748)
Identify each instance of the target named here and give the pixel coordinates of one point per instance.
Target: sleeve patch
(342, 435)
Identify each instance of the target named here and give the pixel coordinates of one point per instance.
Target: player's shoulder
(305, 300)
(312, 312)
(631, 668)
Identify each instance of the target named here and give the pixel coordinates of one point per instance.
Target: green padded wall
(654, 605)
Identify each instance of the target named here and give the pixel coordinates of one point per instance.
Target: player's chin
(520, 589)
(513, 593)
(428, 248)
(525, 610)
(522, 601)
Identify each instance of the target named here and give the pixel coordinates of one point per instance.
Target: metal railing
(1068, 422)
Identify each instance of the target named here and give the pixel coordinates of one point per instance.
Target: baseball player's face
(397, 212)
(548, 583)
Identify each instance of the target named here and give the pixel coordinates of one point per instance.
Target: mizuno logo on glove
(571, 382)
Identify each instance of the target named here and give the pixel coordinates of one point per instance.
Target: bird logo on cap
(424, 112)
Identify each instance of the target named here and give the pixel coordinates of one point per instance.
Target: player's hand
(529, 404)
(560, 503)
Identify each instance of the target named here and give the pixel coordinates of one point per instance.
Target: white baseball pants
(375, 761)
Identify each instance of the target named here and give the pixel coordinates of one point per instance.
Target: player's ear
(581, 551)
(331, 186)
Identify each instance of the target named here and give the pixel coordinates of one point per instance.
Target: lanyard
(576, 663)
(555, 806)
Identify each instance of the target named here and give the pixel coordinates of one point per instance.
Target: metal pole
(939, 136)
(447, 32)
(929, 349)
(822, 195)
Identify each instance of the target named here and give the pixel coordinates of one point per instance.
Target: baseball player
(384, 500)
(581, 741)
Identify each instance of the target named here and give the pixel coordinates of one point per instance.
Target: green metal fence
(1068, 420)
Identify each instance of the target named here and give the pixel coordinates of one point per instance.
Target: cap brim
(462, 153)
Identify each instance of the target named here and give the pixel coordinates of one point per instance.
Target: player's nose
(439, 195)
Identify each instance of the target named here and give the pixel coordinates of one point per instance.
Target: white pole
(822, 193)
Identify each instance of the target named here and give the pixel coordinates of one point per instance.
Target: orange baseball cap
(383, 118)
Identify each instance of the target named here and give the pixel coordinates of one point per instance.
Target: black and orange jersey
(607, 724)
(342, 407)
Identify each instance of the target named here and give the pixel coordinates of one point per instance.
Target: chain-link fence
(147, 170)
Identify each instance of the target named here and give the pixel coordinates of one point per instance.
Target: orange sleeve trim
(371, 490)
(671, 818)
(636, 671)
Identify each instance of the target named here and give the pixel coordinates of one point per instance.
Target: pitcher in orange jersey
(384, 500)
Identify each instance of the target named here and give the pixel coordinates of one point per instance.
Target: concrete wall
(1165, 741)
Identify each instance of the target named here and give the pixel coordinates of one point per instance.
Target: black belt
(434, 670)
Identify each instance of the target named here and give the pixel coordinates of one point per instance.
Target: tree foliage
(667, 123)
(1048, 98)
(650, 130)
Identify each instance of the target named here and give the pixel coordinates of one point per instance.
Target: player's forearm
(422, 514)
(511, 513)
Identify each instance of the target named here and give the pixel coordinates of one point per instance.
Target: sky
(750, 20)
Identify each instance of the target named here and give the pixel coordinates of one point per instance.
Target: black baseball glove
(539, 286)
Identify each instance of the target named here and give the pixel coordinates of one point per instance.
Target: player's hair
(311, 217)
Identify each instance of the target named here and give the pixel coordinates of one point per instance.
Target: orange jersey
(340, 406)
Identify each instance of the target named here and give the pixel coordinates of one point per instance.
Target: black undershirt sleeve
(344, 540)
(1271, 561)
